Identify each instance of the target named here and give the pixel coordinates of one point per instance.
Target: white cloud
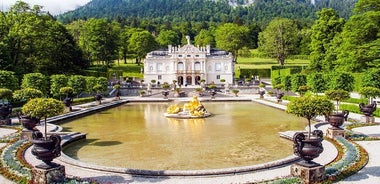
(53, 6)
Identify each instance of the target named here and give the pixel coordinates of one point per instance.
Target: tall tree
(324, 30)
(35, 42)
(205, 37)
(141, 43)
(360, 48)
(231, 37)
(100, 38)
(168, 37)
(279, 39)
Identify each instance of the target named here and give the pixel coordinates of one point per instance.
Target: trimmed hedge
(263, 72)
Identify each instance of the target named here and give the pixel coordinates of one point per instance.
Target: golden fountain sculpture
(192, 109)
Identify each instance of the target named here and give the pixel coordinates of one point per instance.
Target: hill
(206, 10)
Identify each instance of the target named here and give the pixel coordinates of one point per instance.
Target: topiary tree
(287, 81)
(317, 82)
(8, 80)
(338, 96)
(36, 81)
(297, 81)
(341, 80)
(26, 94)
(43, 108)
(371, 78)
(78, 83)
(90, 83)
(103, 82)
(5, 94)
(369, 93)
(309, 107)
(56, 83)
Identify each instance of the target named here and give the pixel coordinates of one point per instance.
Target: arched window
(180, 66)
(197, 66)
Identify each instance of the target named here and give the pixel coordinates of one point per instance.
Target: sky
(53, 6)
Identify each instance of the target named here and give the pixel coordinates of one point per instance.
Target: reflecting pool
(139, 136)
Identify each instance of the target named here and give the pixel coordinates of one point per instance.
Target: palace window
(180, 66)
(159, 67)
(197, 66)
(218, 67)
(218, 77)
(159, 77)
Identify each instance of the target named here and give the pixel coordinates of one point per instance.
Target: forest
(160, 11)
(34, 41)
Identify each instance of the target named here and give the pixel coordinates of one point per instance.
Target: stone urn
(46, 149)
(68, 101)
(368, 109)
(28, 122)
(165, 94)
(98, 97)
(308, 148)
(5, 111)
(262, 93)
(279, 96)
(337, 119)
(212, 93)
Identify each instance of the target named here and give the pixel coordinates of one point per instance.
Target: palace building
(188, 65)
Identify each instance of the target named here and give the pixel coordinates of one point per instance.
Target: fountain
(192, 109)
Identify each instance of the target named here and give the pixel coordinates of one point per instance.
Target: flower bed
(359, 137)
(352, 159)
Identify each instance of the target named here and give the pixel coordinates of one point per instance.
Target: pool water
(139, 136)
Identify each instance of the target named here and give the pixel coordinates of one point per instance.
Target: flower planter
(368, 109)
(308, 148)
(28, 122)
(337, 119)
(46, 149)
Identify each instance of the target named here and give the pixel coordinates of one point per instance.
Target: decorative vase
(262, 93)
(165, 93)
(212, 93)
(279, 96)
(28, 122)
(337, 119)
(308, 148)
(98, 97)
(5, 110)
(46, 149)
(68, 101)
(368, 109)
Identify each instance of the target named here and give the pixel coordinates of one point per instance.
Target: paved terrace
(256, 173)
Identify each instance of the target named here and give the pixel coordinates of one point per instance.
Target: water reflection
(139, 136)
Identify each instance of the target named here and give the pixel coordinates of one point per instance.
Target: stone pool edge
(69, 138)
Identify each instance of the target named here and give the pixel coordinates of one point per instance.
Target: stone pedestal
(332, 133)
(27, 134)
(6, 121)
(55, 174)
(367, 119)
(308, 174)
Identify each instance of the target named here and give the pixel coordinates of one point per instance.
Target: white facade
(189, 65)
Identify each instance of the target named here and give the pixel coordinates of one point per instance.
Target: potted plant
(177, 92)
(98, 97)
(153, 82)
(199, 91)
(302, 90)
(309, 146)
(235, 91)
(369, 93)
(142, 93)
(165, 86)
(222, 81)
(117, 88)
(67, 91)
(337, 118)
(25, 95)
(45, 148)
(6, 108)
(262, 90)
(212, 88)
